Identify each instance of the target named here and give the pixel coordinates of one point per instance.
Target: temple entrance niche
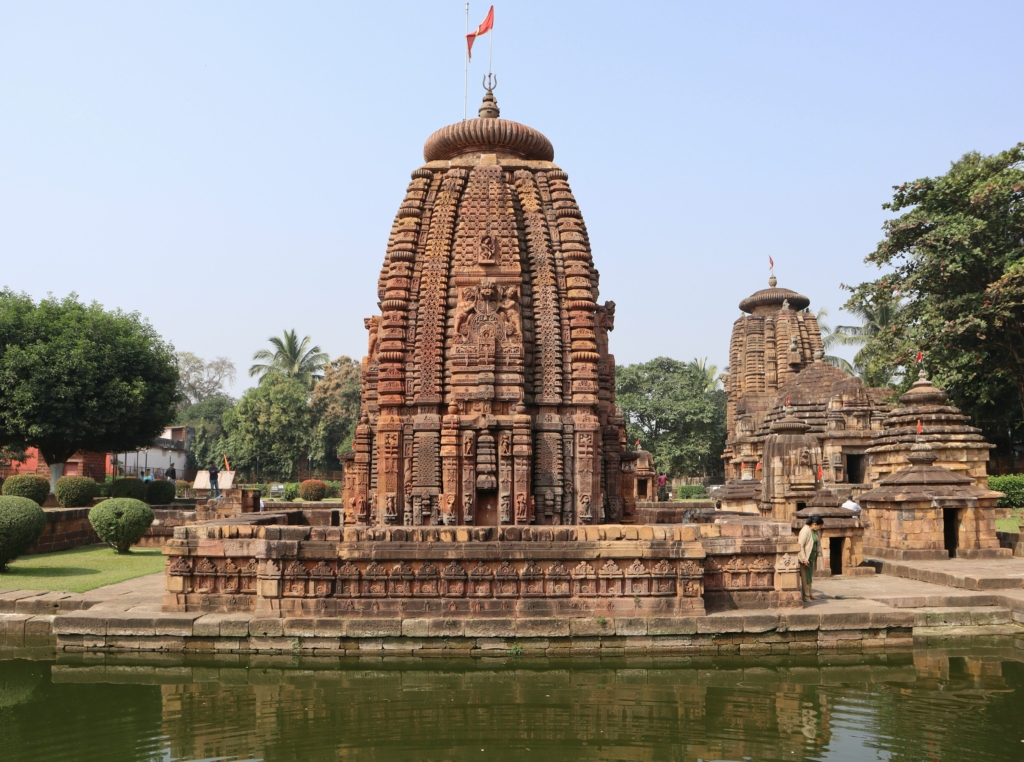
(951, 530)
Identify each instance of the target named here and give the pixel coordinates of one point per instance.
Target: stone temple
(488, 388)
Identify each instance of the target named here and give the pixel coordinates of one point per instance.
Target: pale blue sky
(231, 169)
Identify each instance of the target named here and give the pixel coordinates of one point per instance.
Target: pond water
(922, 706)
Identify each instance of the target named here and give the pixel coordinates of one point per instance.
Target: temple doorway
(835, 555)
(950, 529)
(855, 469)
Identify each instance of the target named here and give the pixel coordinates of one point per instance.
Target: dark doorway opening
(835, 555)
(801, 506)
(950, 529)
(855, 469)
(641, 487)
(486, 510)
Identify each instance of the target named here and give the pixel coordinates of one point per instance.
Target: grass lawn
(1012, 524)
(76, 571)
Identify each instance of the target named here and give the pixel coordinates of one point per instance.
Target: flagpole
(465, 80)
(490, 52)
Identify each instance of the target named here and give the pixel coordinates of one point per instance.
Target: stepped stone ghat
(491, 475)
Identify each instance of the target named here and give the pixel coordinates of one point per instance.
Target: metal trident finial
(490, 82)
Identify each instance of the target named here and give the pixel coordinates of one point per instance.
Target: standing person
(148, 476)
(810, 547)
(171, 474)
(662, 487)
(214, 474)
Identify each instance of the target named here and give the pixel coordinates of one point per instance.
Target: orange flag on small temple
(771, 263)
(484, 28)
(820, 473)
(920, 428)
(920, 356)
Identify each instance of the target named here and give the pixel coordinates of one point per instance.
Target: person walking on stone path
(810, 548)
(171, 473)
(214, 474)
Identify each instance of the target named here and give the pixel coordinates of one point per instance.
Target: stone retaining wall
(66, 528)
(509, 571)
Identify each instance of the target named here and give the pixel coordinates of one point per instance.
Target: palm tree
(291, 358)
(710, 373)
(875, 317)
(829, 339)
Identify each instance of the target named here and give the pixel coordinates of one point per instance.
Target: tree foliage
(677, 412)
(876, 317)
(199, 380)
(207, 418)
(954, 258)
(290, 358)
(269, 428)
(335, 411)
(75, 377)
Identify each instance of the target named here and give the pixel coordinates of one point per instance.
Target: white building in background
(170, 448)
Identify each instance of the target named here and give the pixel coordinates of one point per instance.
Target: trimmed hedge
(121, 521)
(1012, 486)
(128, 487)
(182, 488)
(32, 486)
(692, 492)
(160, 493)
(313, 490)
(76, 491)
(291, 491)
(21, 523)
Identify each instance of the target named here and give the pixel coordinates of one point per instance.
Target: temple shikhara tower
(488, 388)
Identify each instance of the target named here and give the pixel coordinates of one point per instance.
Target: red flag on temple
(484, 28)
(820, 473)
(637, 445)
(920, 428)
(771, 263)
(920, 356)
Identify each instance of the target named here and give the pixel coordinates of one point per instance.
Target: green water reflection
(925, 706)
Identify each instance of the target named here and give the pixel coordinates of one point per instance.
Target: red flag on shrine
(771, 263)
(484, 28)
(920, 356)
(920, 428)
(820, 473)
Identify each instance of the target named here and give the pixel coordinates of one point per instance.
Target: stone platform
(852, 615)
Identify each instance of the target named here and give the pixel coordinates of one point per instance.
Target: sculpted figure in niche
(509, 311)
(465, 310)
(585, 506)
(487, 249)
(520, 507)
(794, 343)
(389, 507)
(373, 326)
(506, 445)
(504, 514)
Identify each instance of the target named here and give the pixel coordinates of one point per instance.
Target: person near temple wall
(214, 474)
(810, 549)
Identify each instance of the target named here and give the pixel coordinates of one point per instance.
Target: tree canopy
(954, 262)
(200, 379)
(76, 377)
(335, 411)
(677, 412)
(291, 358)
(269, 428)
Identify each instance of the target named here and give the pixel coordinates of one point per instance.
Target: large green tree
(291, 357)
(269, 429)
(954, 259)
(207, 418)
(676, 412)
(335, 411)
(76, 377)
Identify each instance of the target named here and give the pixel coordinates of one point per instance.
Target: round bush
(182, 488)
(313, 490)
(32, 486)
(130, 487)
(121, 521)
(76, 491)
(21, 523)
(160, 493)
